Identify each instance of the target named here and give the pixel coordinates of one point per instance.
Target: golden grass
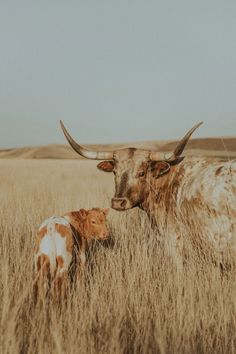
(133, 299)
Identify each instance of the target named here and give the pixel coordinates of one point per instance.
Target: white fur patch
(53, 244)
(54, 220)
(47, 247)
(82, 258)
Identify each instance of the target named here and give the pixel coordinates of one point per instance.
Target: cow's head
(132, 168)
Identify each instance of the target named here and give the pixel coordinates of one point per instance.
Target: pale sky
(116, 71)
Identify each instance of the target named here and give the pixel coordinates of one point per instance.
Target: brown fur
(60, 262)
(42, 277)
(218, 171)
(43, 264)
(40, 234)
(82, 222)
(65, 231)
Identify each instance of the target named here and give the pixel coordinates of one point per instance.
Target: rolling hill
(218, 147)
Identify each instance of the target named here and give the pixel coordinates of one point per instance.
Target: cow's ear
(106, 166)
(159, 168)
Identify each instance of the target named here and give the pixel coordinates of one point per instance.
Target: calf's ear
(83, 213)
(159, 168)
(106, 166)
(105, 211)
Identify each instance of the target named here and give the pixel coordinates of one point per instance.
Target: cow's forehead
(134, 155)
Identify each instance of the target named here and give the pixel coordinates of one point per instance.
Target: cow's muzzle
(120, 204)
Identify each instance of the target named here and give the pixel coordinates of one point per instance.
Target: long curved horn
(155, 156)
(89, 154)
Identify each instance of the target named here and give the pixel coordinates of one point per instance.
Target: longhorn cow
(198, 191)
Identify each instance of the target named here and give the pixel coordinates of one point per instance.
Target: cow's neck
(78, 225)
(161, 194)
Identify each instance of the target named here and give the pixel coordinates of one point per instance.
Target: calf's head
(132, 168)
(94, 223)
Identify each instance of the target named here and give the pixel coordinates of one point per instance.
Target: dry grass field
(132, 301)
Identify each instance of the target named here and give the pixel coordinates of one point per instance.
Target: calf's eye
(93, 222)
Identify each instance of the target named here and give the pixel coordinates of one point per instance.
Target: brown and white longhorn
(195, 191)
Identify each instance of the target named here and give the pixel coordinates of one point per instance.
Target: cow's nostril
(123, 203)
(119, 203)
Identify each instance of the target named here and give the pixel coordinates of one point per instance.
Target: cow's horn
(155, 156)
(181, 145)
(89, 154)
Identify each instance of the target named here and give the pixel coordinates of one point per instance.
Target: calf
(62, 239)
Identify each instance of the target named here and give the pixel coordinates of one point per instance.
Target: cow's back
(212, 184)
(55, 242)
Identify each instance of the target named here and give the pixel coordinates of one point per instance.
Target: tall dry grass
(133, 299)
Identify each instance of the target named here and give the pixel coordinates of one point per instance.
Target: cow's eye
(93, 222)
(141, 174)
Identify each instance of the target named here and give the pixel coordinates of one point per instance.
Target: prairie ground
(133, 300)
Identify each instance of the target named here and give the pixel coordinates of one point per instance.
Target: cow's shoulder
(213, 184)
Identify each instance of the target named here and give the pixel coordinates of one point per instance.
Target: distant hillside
(217, 147)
